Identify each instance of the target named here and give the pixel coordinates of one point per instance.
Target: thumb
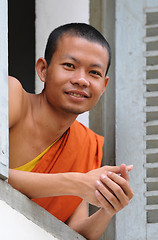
(124, 172)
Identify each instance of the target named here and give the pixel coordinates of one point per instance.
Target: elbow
(87, 235)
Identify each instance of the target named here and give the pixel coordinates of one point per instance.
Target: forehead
(81, 47)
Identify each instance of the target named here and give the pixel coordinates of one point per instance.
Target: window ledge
(35, 213)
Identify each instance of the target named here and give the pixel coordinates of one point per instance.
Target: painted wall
(23, 219)
(130, 117)
(3, 90)
(14, 225)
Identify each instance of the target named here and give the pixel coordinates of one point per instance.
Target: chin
(75, 111)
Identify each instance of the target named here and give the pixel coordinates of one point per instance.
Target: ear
(41, 68)
(106, 79)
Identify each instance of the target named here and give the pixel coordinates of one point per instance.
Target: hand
(113, 191)
(89, 184)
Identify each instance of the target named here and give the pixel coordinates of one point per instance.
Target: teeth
(76, 95)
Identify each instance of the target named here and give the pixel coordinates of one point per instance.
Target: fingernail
(130, 166)
(103, 176)
(109, 173)
(98, 183)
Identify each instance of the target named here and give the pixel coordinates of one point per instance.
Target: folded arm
(101, 187)
(38, 185)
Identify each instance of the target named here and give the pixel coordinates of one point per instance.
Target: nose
(80, 80)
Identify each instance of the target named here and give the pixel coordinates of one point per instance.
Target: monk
(55, 160)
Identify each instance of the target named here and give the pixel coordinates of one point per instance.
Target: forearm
(37, 185)
(94, 226)
(114, 193)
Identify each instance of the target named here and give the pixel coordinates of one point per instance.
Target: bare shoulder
(14, 85)
(17, 101)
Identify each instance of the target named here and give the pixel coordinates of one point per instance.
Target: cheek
(98, 90)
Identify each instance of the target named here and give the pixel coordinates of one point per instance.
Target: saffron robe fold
(78, 150)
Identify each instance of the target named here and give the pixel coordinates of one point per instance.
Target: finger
(117, 169)
(123, 183)
(124, 172)
(110, 197)
(105, 204)
(129, 168)
(116, 190)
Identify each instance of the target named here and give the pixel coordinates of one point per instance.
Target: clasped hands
(109, 188)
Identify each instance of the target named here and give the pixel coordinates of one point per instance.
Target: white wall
(130, 118)
(23, 219)
(51, 14)
(14, 225)
(3, 90)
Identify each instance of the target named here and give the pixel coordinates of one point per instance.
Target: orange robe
(79, 150)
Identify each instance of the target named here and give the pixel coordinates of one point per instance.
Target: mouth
(78, 94)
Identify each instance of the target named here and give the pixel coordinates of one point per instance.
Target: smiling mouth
(78, 95)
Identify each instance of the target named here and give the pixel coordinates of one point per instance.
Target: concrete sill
(35, 213)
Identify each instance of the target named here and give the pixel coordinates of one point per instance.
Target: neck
(48, 120)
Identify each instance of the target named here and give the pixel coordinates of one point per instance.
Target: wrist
(107, 213)
(74, 181)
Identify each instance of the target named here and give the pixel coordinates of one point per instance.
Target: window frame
(4, 139)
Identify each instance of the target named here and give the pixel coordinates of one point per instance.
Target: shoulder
(14, 85)
(83, 132)
(17, 100)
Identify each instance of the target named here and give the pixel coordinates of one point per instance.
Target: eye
(96, 73)
(69, 65)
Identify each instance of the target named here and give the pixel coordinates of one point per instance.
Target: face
(75, 78)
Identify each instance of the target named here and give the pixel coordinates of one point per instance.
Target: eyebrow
(99, 65)
(72, 58)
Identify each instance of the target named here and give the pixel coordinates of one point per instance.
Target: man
(66, 155)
